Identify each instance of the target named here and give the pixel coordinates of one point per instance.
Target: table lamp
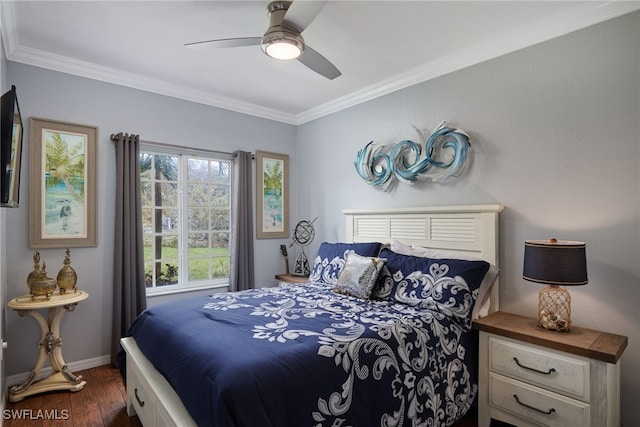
(555, 263)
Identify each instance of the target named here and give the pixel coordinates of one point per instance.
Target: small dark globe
(304, 233)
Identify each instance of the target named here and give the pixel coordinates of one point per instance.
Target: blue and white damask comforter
(306, 356)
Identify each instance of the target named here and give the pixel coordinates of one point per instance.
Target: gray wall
(112, 108)
(556, 139)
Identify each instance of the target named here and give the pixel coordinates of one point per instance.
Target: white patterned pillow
(331, 258)
(359, 275)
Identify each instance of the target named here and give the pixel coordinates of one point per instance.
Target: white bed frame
(470, 230)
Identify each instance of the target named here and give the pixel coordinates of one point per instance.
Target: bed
(380, 335)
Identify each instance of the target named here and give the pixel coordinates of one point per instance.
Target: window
(186, 219)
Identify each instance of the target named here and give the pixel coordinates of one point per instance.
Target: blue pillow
(331, 256)
(448, 286)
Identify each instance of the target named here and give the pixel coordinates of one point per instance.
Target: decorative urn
(36, 274)
(67, 276)
(38, 282)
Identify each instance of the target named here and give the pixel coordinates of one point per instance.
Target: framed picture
(272, 190)
(62, 184)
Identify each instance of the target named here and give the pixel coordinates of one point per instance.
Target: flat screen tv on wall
(11, 146)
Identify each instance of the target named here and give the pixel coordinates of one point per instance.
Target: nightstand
(50, 344)
(529, 376)
(288, 279)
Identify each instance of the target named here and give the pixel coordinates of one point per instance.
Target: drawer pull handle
(548, 372)
(140, 402)
(547, 412)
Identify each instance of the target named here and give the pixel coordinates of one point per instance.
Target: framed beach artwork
(62, 184)
(272, 205)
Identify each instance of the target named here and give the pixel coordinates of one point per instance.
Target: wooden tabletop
(291, 278)
(580, 341)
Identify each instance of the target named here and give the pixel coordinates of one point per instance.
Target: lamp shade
(555, 262)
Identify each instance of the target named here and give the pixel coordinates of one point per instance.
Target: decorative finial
(67, 276)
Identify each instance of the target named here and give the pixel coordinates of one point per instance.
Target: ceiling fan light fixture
(283, 45)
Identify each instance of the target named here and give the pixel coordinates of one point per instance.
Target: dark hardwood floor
(101, 403)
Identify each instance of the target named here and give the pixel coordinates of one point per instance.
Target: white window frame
(183, 153)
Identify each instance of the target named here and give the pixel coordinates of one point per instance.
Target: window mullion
(183, 258)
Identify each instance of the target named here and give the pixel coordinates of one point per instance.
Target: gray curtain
(129, 293)
(242, 274)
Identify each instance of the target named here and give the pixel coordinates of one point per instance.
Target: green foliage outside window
(206, 209)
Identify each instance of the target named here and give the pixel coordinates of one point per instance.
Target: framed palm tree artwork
(272, 206)
(62, 191)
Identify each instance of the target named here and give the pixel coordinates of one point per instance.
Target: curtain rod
(114, 137)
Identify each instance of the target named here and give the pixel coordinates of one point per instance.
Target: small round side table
(50, 344)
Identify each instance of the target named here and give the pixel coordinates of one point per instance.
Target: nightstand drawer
(535, 404)
(553, 371)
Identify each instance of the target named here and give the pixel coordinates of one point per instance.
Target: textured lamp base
(554, 309)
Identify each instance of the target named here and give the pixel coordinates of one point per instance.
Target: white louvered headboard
(466, 230)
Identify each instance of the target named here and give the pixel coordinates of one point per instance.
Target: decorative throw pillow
(446, 285)
(330, 259)
(359, 275)
(481, 307)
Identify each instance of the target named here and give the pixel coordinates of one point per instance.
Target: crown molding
(25, 55)
(8, 27)
(582, 16)
(520, 38)
(38, 58)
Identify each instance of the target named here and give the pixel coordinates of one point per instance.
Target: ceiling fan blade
(222, 43)
(319, 64)
(301, 13)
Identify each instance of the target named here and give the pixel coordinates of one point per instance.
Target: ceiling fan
(283, 39)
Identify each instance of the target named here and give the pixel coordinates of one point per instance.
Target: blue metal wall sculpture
(443, 155)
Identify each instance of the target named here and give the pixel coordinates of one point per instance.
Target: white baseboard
(80, 365)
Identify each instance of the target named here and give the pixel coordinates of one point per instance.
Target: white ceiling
(379, 46)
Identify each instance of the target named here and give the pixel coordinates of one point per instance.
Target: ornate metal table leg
(18, 390)
(50, 346)
(57, 361)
